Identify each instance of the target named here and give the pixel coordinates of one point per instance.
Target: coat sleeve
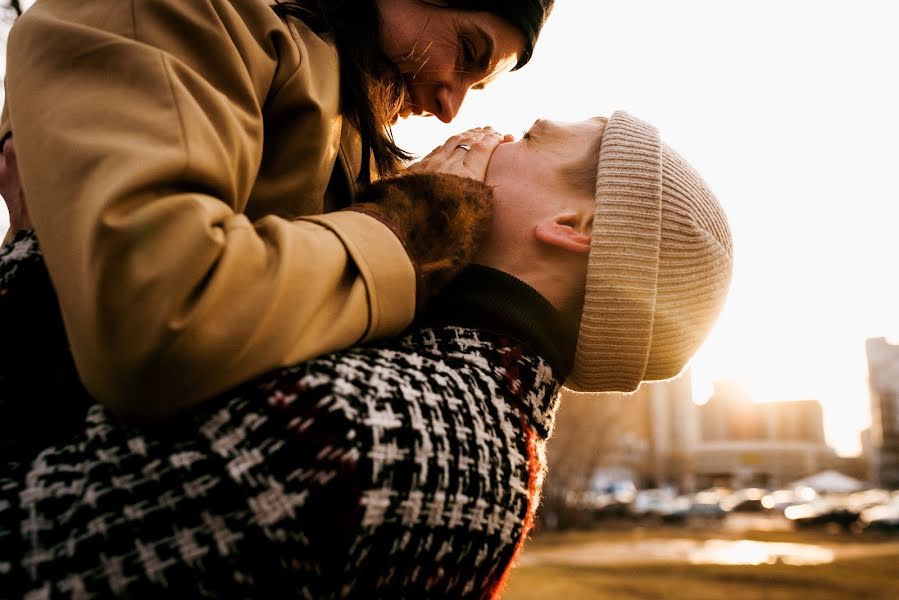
(138, 128)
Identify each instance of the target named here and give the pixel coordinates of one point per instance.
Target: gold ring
(465, 147)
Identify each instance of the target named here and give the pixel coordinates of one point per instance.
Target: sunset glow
(789, 111)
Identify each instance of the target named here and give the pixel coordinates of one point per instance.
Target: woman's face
(442, 53)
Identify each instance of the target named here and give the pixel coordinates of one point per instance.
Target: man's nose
(448, 101)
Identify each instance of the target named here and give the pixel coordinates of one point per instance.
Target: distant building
(659, 436)
(856, 467)
(650, 434)
(867, 456)
(883, 382)
(673, 432)
(745, 443)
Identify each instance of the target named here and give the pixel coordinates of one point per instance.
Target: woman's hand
(11, 189)
(465, 155)
(440, 219)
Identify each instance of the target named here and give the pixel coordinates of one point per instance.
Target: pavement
(714, 551)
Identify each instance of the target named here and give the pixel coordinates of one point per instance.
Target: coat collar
(535, 352)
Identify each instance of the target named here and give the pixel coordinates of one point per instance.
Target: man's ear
(564, 231)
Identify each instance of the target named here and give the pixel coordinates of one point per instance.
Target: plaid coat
(406, 469)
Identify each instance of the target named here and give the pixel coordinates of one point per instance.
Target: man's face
(552, 167)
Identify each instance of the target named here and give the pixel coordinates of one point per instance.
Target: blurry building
(856, 467)
(656, 434)
(649, 435)
(672, 432)
(883, 381)
(746, 443)
(868, 456)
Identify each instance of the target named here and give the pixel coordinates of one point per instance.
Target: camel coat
(181, 162)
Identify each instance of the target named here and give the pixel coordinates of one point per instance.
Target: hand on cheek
(465, 155)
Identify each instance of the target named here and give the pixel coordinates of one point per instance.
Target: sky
(790, 110)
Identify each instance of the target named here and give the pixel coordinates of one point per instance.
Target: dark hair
(371, 87)
(372, 91)
(528, 16)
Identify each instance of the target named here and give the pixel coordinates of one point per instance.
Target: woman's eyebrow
(486, 55)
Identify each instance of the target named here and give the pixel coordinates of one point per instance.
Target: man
(410, 468)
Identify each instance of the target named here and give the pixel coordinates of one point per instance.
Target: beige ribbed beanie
(659, 267)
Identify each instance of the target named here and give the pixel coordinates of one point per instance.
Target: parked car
(859, 501)
(780, 500)
(822, 511)
(707, 504)
(652, 502)
(603, 499)
(676, 509)
(884, 517)
(745, 500)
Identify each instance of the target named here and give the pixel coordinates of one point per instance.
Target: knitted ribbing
(659, 266)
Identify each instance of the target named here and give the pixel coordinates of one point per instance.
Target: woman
(184, 161)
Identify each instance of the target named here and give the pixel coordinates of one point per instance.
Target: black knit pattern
(37, 372)
(407, 469)
(398, 470)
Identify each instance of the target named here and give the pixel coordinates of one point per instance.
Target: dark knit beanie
(527, 15)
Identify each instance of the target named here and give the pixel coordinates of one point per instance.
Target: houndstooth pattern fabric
(21, 252)
(408, 469)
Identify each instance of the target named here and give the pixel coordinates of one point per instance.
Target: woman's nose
(448, 101)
